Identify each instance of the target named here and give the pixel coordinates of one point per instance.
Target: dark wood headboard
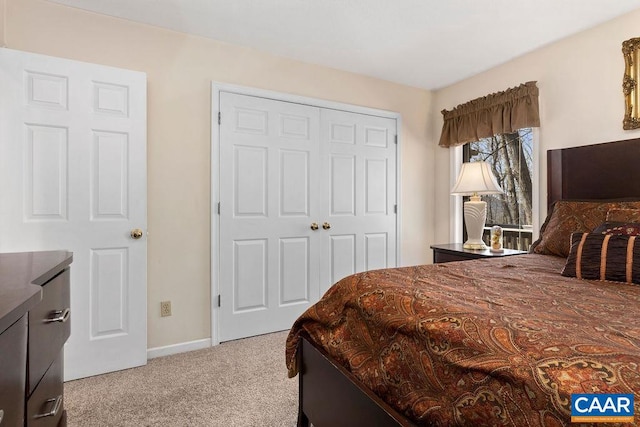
(601, 171)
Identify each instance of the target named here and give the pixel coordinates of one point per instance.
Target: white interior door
(358, 195)
(269, 172)
(73, 176)
(284, 166)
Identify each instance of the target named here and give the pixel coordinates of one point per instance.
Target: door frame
(216, 89)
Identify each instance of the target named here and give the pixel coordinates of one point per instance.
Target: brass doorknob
(326, 226)
(314, 226)
(136, 233)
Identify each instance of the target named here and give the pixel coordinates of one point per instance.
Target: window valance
(494, 114)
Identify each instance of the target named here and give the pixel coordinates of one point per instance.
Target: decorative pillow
(604, 257)
(619, 228)
(624, 215)
(569, 216)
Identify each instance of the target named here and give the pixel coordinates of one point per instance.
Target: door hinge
(395, 209)
(396, 139)
(219, 118)
(218, 300)
(218, 208)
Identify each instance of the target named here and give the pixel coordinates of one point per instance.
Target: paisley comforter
(501, 342)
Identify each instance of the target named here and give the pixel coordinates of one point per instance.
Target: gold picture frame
(631, 52)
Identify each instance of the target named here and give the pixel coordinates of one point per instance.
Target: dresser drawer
(45, 406)
(13, 371)
(49, 327)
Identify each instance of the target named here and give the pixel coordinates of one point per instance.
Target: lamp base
(475, 214)
(475, 244)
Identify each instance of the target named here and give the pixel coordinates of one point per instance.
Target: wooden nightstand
(455, 252)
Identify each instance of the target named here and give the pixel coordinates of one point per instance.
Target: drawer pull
(59, 316)
(1, 415)
(55, 407)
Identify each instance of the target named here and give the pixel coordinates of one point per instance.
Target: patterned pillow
(604, 257)
(624, 215)
(569, 216)
(619, 228)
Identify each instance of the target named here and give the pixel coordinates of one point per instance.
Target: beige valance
(500, 112)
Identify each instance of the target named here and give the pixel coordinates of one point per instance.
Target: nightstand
(455, 252)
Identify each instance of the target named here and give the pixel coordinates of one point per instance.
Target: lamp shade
(476, 178)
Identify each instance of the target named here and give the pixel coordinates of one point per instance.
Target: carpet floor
(238, 383)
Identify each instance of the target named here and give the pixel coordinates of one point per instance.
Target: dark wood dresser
(34, 325)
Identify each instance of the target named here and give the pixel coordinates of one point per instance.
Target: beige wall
(581, 102)
(179, 70)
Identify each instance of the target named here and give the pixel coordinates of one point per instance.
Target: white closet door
(269, 181)
(283, 167)
(358, 194)
(73, 176)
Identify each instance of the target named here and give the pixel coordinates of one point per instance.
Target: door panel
(250, 182)
(358, 193)
(294, 183)
(73, 176)
(250, 275)
(376, 249)
(343, 256)
(109, 178)
(376, 191)
(269, 168)
(343, 185)
(46, 168)
(109, 290)
(294, 278)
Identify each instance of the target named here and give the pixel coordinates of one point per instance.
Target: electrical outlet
(165, 308)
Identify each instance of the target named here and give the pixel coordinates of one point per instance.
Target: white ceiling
(423, 43)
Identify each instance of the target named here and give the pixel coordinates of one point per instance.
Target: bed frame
(330, 396)
(601, 171)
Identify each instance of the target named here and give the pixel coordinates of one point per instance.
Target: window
(510, 156)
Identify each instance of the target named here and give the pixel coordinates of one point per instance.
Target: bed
(487, 342)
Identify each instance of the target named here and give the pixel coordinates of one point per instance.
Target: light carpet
(238, 383)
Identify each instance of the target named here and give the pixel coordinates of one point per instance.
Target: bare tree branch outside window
(511, 158)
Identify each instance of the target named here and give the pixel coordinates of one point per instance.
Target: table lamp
(475, 179)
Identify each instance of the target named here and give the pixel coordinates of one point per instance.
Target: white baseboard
(168, 350)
